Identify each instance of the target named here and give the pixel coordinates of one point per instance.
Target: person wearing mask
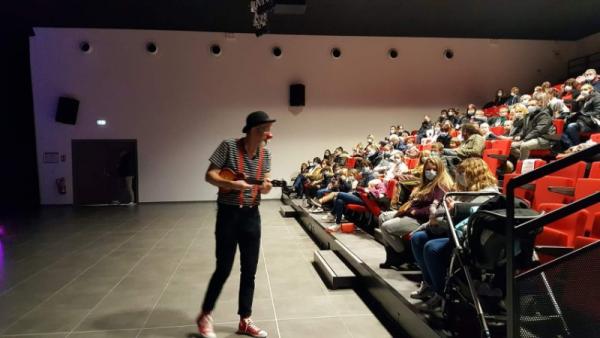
(435, 182)
(479, 117)
(431, 245)
(521, 112)
(513, 98)
(591, 77)
(569, 93)
(484, 128)
(444, 136)
(501, 119)
(537, 129)
(499, 99)
(556, 105)
(443, 116)
(425, 127)
(524, 99)
(587, 120)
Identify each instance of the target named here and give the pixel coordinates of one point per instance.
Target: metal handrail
(512, 300)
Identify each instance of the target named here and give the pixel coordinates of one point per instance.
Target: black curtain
(19, 189)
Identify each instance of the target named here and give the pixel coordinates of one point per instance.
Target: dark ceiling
(524, 19)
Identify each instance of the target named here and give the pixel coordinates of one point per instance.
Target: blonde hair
(587, 86)
(442, 180)
(520, 108)
(477, 175)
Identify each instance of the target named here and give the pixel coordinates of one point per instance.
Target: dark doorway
(99, 170)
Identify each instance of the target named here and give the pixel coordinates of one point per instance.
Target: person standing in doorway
(127, 173)
(238, 218)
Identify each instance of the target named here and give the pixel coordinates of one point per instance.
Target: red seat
(488, 144)
(492, 163)
(521, 193)
(503, 145)
(499, 130)
(350, 162)
(543, 195)
(595, 137)
(559, 124)
(563, 231)
(583, 188)
(412, 163)
(595, 170)
(594, 235)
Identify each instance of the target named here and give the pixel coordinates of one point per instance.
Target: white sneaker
(333, 228)
(316, 210)
(328, 218)
(423, 292)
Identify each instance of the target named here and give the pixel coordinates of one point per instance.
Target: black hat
(255, 119)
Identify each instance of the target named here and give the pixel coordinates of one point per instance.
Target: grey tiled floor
(142, 271)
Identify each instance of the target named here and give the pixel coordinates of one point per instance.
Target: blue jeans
(322, 192)
(299, 185)
(433, 257)
(570, 136)
(339, 205)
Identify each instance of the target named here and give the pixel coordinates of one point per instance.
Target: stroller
(475, 285)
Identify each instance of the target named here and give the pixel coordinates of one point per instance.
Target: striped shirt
(226, 156)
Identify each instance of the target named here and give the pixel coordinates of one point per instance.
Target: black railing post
(511, 294)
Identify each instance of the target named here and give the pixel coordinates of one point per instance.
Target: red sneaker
(248, 328)
(205, 326)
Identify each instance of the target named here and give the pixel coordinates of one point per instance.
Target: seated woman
(431, 246)
(435, 181)
(343, 181)
(376, 187)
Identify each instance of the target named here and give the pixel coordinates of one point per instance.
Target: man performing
(238, 218)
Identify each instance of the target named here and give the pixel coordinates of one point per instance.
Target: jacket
(473, 147)
(538, 125)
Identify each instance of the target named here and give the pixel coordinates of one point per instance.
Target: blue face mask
(430, 174)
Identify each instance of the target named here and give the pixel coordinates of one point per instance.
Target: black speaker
(297, 95)
(66, 112)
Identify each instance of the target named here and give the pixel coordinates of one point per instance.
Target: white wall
(180, 103)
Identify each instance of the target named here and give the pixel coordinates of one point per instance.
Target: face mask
(430, 174)
(590, 77)
(585, 93)
(568, 88)
(503, 114)
(532, 109)
(513, 94)
(460, 179)
(518, 115)
(435, 154)
(450, 114)
(424, 159)
(470, 112)
(437, 130)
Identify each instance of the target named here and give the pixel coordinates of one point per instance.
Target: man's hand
(240, 185)
(265, 188)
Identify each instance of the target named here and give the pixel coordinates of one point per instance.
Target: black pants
(235, 226)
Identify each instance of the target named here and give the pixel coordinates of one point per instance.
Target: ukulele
(230, 175)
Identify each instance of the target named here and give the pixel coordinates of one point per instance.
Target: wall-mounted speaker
(297, 95)
(66, 111)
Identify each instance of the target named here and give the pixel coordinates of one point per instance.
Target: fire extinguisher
(61, 185)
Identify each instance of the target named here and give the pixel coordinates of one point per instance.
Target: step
(287, 211)
(378, 236)
(334, 271)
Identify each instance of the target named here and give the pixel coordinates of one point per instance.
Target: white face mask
(568, 88)
(585, 93)
(430, 174)
(532, 109)
(590, 77)
(518, 115)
